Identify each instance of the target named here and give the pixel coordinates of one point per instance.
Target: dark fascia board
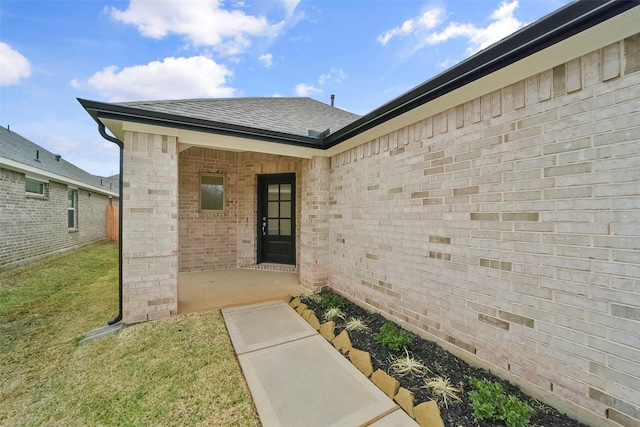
(102, 110)
(566, 22)
(554, 28)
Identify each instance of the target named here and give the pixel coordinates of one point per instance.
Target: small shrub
(329, 300)
(539, 406)
(310, 296)
(514, 412)
(484, 399)
(407, 364)
(489, 401)
(442, 390)
(332, 313)
(393, 337)
(356, 324)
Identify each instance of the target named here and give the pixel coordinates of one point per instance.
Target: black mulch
(441, 363)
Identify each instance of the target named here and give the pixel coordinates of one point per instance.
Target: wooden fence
(112, 223)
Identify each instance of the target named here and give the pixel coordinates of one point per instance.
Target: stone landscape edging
(426, 414)
(532, 390)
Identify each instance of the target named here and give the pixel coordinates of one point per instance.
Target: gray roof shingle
(288, 115)
(19, 149)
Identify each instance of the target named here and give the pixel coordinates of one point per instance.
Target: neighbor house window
(212, 192)
(34, 187)
(71, 207)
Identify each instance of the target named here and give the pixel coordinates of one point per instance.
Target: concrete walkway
(298, 379)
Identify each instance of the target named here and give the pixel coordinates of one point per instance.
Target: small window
(34, 187)
(211, 192)
(71, 208)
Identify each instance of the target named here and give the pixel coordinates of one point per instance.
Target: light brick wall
(221, 240)
(208, 240)
(314, 242)
(508, 229)
(34, 227)
(150, 227)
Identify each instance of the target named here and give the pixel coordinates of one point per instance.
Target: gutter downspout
(116, 141)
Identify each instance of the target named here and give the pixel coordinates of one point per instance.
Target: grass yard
(174, 371)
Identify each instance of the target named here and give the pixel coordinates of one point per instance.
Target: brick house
(493, 209)
(47, 205)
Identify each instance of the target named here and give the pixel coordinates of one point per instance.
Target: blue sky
(366, 52)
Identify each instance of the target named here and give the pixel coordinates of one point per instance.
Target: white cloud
(446, 63)
(502, 24)
(306, 90)
(13, 66)
(94, 155)
(428, 20)
(335, 75)
(78, 142)
(200, 22)
(62, 144)
(266, 60)
(290, 5)
(172, 78)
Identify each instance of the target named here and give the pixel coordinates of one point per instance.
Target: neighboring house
(47, 205)
(494, 208)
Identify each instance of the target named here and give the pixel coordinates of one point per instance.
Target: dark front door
(276, 218)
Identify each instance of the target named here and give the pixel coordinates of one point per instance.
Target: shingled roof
(288, 115)
(18, 149)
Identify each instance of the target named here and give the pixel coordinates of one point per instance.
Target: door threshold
(273, 267)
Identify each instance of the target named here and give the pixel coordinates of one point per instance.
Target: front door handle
(264, 224)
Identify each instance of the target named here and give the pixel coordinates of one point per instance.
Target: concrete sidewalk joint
(298, 378)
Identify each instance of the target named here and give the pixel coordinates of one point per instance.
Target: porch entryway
(276, 240)
(207, 290)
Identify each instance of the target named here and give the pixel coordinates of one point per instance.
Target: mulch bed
(441, 363)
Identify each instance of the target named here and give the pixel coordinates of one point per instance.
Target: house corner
(150, 227)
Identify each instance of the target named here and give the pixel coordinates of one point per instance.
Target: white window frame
(73, 208)
(43, 185)
(224, 192)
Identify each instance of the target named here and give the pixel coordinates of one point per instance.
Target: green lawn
(174, 371)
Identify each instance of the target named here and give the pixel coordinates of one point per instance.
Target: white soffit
(190, 138)
(115, 127)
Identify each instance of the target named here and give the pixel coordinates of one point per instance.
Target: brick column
(314, 234)
(150, 227)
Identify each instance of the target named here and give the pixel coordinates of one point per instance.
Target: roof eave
(34, 171)
(108, 111)
(563, 24)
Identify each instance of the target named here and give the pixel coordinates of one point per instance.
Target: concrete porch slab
(297, 378)
(207, 290)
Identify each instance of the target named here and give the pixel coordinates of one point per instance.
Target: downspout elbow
(102, 130)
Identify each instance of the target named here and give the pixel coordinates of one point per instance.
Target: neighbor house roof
(574, 30)
(18, 153)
